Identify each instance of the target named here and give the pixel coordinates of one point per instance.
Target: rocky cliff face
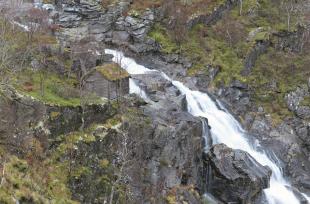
(131, 32)
(90, 19)
(152, 151)
(20, 114)
(170, 150)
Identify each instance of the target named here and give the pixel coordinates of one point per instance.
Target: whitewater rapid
(224, 128)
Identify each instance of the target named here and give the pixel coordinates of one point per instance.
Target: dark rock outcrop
(169, 148)
(250, 60)
(291, 41)
(234, 176)
(20, 114)
(294, 99)
(90, 19)
(215, 15)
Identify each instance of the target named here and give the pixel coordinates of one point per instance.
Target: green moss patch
(112, 72)
(160, 35)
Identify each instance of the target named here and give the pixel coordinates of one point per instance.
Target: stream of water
(224, 129)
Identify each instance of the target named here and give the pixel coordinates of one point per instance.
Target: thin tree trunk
(82, 105)
(112, 195)
(3, 172)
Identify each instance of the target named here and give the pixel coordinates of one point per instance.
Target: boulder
(234, 176)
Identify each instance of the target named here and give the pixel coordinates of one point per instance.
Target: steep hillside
(76, 127)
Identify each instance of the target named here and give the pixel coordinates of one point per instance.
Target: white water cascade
(224, 128)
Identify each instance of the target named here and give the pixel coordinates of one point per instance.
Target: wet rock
(289, 141)
(213, 72)
(169, 149)
(300, 197)
(171, 58)
(234, 176)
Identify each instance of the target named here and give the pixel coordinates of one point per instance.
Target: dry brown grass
(143, 4)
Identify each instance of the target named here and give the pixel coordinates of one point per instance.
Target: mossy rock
(112, 72)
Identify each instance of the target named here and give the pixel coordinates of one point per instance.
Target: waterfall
(134, 88)
(224, 129)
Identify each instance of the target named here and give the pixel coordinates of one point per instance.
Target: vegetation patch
(32, 181)
(227, 43)
(203, 50)
(48, 87)
(160, 35)
(112, 122)
(97, 171)
(306, 101)
(112, 72)
(275, 74)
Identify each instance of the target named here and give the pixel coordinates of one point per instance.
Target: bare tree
(7, 14)
(289, 7)
(37, 21)
(294, 10)
(15, 49)
(81, 51)
(124, 163)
